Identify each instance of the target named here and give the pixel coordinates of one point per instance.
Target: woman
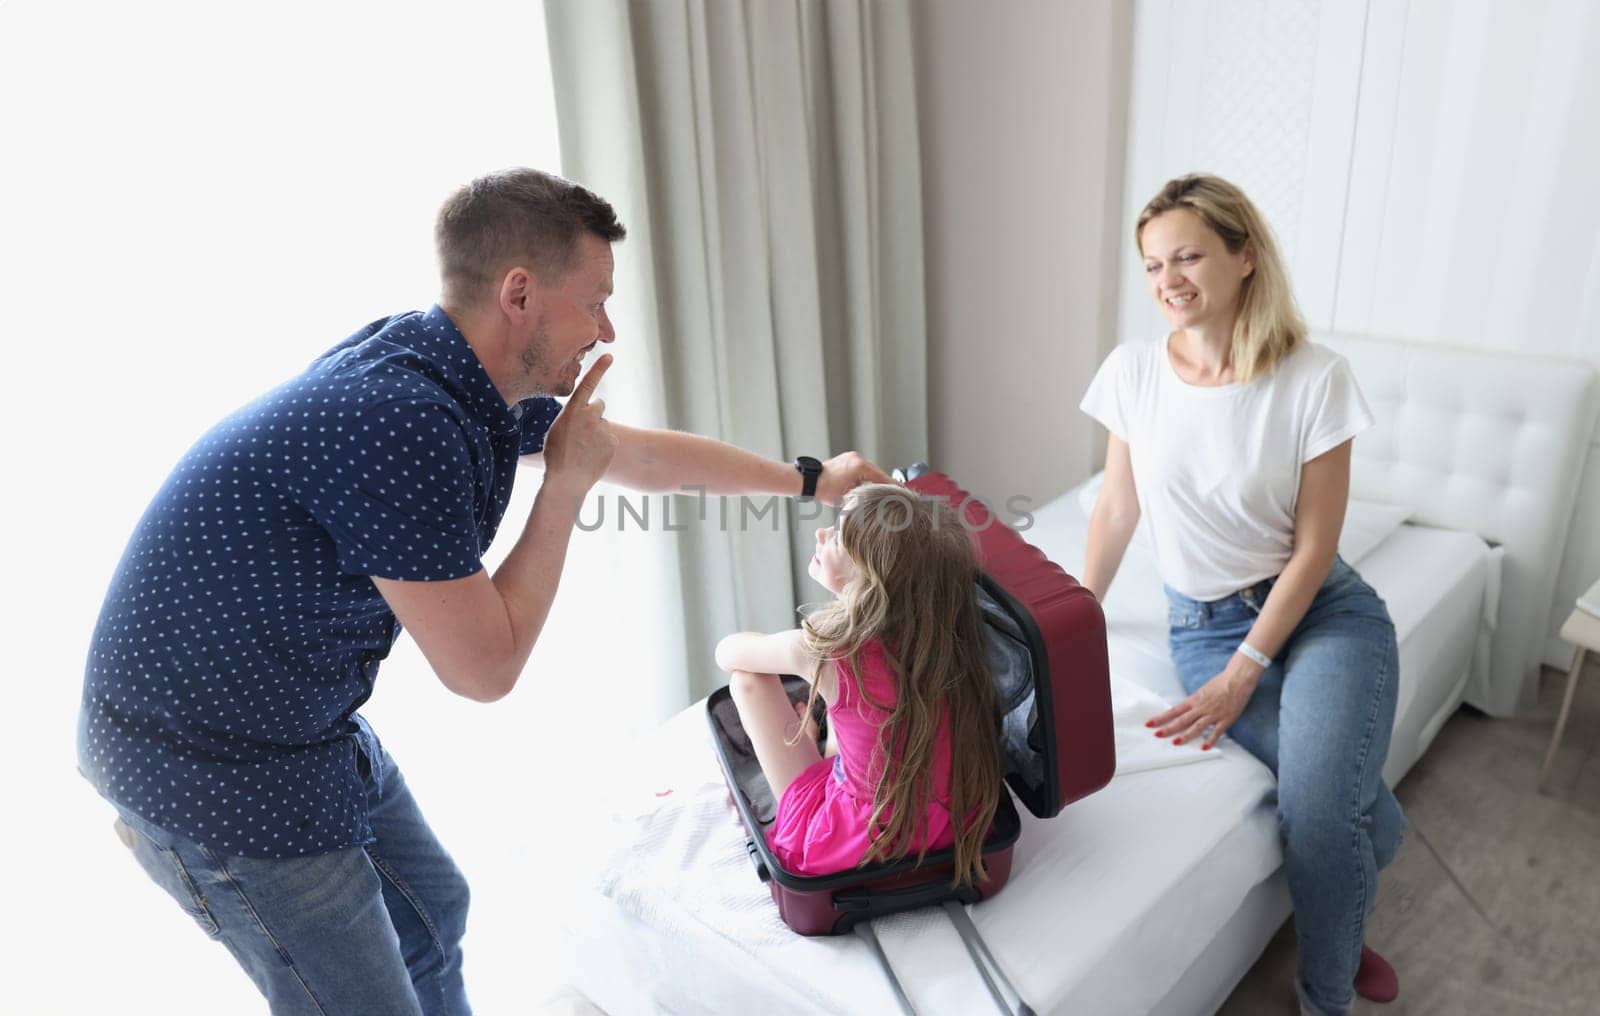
(1232, 434)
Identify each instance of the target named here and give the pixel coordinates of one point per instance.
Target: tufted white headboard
(1492, 443)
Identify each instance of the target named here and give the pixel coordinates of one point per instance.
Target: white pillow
(1366, 523)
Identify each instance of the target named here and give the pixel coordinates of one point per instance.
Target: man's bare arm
(667, 461)
(477, 632)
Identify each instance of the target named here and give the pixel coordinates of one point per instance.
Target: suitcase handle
(889, 901)
(755, 858)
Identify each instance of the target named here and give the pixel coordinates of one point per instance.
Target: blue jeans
(364, 930)
(1320, 719)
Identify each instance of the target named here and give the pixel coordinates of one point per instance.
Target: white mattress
(1152, 895)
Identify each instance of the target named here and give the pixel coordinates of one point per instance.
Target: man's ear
(517, 293)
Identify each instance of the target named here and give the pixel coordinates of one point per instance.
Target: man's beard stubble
(536, 370)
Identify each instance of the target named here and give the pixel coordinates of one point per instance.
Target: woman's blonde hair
(915, 591)
(1269, 325)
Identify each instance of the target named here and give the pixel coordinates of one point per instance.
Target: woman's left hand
(1214, 708)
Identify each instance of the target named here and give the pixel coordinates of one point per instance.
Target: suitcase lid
(1047, 650)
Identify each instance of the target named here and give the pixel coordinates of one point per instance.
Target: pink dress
(821, 824)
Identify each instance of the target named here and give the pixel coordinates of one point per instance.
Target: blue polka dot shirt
(242, 632)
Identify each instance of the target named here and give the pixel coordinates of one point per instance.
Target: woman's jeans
(370, 929)
(1320, 719)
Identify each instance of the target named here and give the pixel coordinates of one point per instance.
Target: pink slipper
(1376, 980)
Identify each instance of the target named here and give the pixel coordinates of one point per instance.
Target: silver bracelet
(1255, 655)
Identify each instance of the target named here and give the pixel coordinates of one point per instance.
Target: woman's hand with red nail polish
(1210, 711)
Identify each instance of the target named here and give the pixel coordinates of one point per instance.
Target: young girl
(899, 659)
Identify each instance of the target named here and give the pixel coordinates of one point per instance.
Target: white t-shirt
(1218, 469)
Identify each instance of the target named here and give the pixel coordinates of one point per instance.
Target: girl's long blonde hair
(914, 590)
(1269, 325)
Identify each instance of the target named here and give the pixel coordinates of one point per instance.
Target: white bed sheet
(1151, 895)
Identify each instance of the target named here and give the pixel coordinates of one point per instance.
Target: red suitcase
(1048, 649)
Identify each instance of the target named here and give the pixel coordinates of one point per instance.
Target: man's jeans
(1320, 718)
(363, 930)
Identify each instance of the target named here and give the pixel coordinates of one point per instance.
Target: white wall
(1429, 167)
(1021, 117)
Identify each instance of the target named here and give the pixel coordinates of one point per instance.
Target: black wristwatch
(809, 469)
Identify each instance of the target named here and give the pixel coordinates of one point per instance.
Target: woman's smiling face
(1192, 274)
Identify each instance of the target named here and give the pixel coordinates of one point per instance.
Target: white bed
(1158, 892)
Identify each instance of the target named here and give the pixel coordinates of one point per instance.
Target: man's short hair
(515, 216)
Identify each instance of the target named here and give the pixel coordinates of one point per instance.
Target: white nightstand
(1583, 628)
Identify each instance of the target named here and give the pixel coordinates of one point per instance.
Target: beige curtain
(764, 157)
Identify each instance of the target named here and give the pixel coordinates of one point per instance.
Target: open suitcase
(1047, 649)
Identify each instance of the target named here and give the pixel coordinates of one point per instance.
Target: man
(263, 587)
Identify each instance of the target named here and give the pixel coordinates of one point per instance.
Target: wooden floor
(1492, 905)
